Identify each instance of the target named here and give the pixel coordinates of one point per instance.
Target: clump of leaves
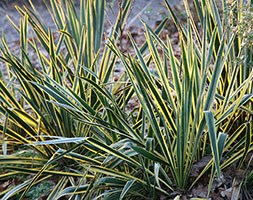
(71, 113)
(35, 101)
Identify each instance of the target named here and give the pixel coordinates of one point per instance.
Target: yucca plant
(66, 117)
(70, 119)
(71, 65)
(189, 106)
